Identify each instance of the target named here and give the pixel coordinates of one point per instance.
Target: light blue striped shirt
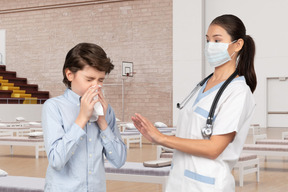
(75, 156)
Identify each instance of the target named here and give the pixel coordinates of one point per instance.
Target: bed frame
(136, 172)
(38, 143)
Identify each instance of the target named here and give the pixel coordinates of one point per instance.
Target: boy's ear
(69, 74)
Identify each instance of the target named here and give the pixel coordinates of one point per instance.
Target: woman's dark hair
(236, 29)
(86, 54)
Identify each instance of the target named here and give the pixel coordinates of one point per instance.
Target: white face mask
(217, 53)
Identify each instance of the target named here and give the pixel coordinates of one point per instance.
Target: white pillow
(130, 126)
(36, 134)
(20, 119)
(34, 123)
(160, 124)
(3, 173)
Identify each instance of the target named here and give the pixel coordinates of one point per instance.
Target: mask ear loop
(234, 51)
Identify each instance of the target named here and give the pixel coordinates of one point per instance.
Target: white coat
(233, 113)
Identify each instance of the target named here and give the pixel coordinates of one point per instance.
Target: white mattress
(21, 184)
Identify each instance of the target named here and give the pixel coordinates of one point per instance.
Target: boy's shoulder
(54, 100)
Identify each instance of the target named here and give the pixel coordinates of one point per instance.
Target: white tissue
(98, 110)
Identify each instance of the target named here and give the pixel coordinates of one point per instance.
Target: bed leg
(241, 175)
(128, 143)
(36, 151)
(11, 149)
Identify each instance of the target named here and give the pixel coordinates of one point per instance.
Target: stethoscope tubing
(207, 131)
(192, 93)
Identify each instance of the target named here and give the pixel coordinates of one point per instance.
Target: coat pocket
(197, 182)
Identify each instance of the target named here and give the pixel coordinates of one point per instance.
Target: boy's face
(82, 80)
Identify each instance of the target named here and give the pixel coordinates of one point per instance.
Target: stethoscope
(208, 129)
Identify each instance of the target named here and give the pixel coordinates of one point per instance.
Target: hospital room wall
(187, 49)
(264, 21)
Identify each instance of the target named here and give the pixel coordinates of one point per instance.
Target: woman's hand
(101, 119)
(147, 129)
(86, 107)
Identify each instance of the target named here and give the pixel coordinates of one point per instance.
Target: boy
(75, 144)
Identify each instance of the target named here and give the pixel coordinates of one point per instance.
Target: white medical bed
(266, 150)
(130, 172)
(21, 184)
(132, 137)
(38, 143)
(262, 139)
(285, 135)
(136, 172)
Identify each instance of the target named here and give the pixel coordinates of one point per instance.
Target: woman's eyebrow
(217, 35)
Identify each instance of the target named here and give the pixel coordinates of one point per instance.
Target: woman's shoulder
(239, 84)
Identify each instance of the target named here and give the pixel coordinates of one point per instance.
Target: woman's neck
(223, 72)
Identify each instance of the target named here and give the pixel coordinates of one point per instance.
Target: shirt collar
(72, 96)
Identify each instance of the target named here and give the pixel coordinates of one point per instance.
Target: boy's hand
(86, 106)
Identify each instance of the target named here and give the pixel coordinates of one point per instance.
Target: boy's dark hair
(86, 54)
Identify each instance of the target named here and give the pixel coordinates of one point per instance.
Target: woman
(201, 164)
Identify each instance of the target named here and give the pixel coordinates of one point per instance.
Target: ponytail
(236, 29)
(246, 62)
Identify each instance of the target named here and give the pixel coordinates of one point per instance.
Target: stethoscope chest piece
(207, 131)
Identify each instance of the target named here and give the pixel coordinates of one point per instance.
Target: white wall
(187, 49)
(30, 112)
(2, 46)
(265, 21)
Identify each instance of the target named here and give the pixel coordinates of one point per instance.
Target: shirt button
(110, 152)
(90, 155)
(72, 153)
(89, 123)
(90, 139)
(78, 104)
(90, 172)
(81, 138)
(103, 137)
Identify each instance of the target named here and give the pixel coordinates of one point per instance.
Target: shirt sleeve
(114, 148)
(234, 111)
(59, 145)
